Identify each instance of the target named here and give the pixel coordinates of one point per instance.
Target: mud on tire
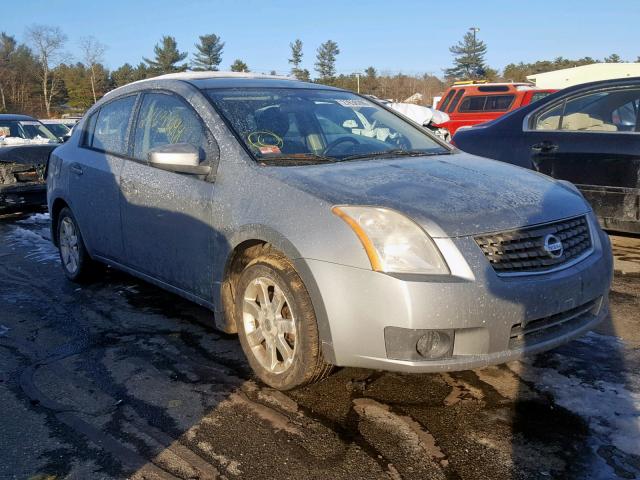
(266, 280)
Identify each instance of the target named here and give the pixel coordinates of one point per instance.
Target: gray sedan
(323, 228)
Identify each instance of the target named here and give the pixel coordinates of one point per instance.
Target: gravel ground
(122, 380)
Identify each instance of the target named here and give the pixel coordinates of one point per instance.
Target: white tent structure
(568, 77)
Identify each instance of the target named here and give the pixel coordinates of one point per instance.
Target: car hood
(449, 195)
(34, 154)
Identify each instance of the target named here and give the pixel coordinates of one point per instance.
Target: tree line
(38, 77)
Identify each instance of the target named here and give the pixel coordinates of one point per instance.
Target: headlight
(394, 243)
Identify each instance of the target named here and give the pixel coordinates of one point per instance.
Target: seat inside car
(577, 122)
(275, 121)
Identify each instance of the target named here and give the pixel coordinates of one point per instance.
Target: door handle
(77, 169)
(544, 147)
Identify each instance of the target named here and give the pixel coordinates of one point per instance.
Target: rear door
(167, 216)
(94, 176)
(592, 140)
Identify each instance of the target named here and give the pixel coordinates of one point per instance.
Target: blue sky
(395, 35)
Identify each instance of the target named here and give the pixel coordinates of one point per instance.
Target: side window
(550, 120)
(165, 119)
(539, 96)
(455, 101)
(473, 103)
(625, 116)
(447, 99)
(498, 103)
(110, 132)
(89, 127)
(610, 111)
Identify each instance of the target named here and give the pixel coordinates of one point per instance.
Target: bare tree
(92, 55)
(47, 43)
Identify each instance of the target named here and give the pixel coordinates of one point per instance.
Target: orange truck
(473, 102)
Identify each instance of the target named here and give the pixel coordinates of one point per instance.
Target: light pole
(357, 74)
(474, 30)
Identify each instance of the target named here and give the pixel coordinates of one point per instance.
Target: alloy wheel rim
(269, 325)
(69, 245)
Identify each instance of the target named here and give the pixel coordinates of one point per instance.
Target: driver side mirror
(179, 158)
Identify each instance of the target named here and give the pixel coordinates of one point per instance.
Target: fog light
(434, 344)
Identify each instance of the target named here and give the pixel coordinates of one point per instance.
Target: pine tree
(468, 62)
(239, 66)
(209, 53)
(613, 58)
(167, 57)
(296, 61)
(326, 60)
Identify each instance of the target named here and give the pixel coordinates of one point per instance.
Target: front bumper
(21, 197)
(355, 306)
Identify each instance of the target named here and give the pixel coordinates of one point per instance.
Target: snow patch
(33, 233)
(611, 408)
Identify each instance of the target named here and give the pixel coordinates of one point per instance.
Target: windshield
(26, 131)
(281, 125)
(58, 129)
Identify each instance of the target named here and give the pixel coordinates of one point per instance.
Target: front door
(167, 216)
(593, 141)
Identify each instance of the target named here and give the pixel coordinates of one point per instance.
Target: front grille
(523, 251)
(541, 329)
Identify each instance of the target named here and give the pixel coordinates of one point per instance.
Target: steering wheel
(340, 141)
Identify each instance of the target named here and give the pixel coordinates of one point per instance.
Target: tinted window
(625, 116)
(604, 111)
(163, 120)
(486, 103)
(539, 96)
(456, 99)
(447, 99)
(110, 132)
(550, 120)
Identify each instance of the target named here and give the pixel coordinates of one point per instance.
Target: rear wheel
(76, 262)
(277, 324)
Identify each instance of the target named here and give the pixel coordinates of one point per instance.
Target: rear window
(486, 103)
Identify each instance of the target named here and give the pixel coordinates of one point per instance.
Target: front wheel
(277, 324)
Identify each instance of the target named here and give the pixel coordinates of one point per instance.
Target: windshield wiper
(301, 158)
(390, 153)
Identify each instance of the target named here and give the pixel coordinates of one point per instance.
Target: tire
(76, 262)
(287, 323)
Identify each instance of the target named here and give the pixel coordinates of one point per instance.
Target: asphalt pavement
(119, 379)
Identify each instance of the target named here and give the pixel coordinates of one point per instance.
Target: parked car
(320, 244)
(425, 116)
(587, 134)
(475, 102)
(25, 145)
(59, 128)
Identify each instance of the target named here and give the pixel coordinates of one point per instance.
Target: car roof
(208, 80)
(15, 116)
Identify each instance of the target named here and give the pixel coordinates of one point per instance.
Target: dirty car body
(25, 145)
(413, 256)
